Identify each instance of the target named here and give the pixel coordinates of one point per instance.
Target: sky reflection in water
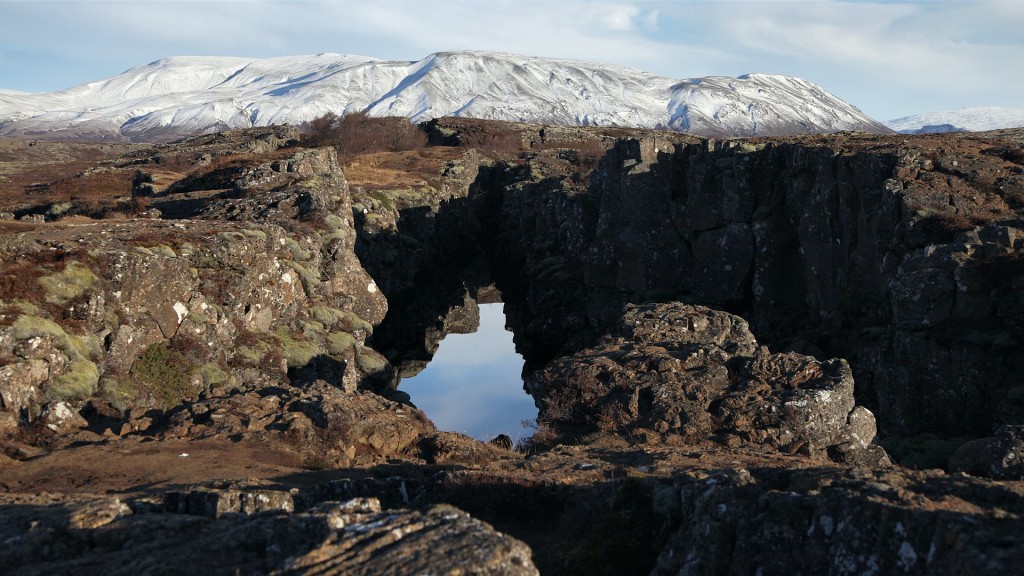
(474, 385)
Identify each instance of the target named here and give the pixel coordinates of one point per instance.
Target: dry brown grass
(390, 170)
(28, 169)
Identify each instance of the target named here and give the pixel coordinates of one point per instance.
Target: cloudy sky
(889, 58)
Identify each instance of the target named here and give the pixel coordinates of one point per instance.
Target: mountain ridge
(969, 119)
(186, 95)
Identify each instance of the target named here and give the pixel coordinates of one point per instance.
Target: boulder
(682, 373)
(1000, 456)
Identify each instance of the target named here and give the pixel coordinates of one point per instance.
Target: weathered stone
(330, 538)
(62, 418)
(1000, 456)
(695, 374)
(217, 503)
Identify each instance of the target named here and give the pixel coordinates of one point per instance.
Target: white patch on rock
(181, 310)
(286, 278)
(371, 287)
(59, 413)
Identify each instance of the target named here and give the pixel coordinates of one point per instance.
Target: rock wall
(901, 255)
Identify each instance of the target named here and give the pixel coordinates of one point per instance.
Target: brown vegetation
(393, 170)
(359, 133)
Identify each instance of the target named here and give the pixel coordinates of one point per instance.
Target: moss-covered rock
(310, 279)
(340, 343)
(67, 284)
(78, 382)
(296, 350)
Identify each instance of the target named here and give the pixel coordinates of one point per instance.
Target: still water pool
(473, 384)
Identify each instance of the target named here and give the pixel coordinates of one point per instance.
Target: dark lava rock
(682, 373)
(1000, 456)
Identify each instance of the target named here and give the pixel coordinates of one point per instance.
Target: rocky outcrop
(260, 285)
(351, 537)
(899, 255)
(1000, 456)
(674, 373)
(839, 522)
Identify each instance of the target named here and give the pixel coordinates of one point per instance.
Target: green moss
(119, 392)
(334, 222)
(351, 322)
(250, 354)
(298, 252)
(383, 199)
(748, 147)
(58, 209)
(75, 348)
(163, 250)
(255, 234)
(186, 249)
(232, 236)
(198, 316)
(333, 236)
(310, 280)
(296, 352)
(144, 250)
(370, 361)
(339, 343)
(25, 307)
(214, 376)
(68, 284)
(78, 381)
(325, 315)
(311, 328)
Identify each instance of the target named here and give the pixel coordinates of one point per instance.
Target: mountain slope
(181, 96)
(976, 119)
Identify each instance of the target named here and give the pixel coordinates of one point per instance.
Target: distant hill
(976, 119)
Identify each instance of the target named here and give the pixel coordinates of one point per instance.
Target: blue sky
(889, 58)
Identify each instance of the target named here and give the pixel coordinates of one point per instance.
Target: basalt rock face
(680, 374)
(851, 522)
(901, 255)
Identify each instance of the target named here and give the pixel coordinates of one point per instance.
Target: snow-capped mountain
(977, 119)
(182, 96)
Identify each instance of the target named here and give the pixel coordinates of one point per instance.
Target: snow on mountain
(180, 96)
(977, 119)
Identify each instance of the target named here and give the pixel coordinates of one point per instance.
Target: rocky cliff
(710, 329)
(898, 254)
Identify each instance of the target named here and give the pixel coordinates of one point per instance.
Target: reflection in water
(473, 384)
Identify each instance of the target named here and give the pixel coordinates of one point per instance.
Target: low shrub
(165, 373)
(359, 133)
